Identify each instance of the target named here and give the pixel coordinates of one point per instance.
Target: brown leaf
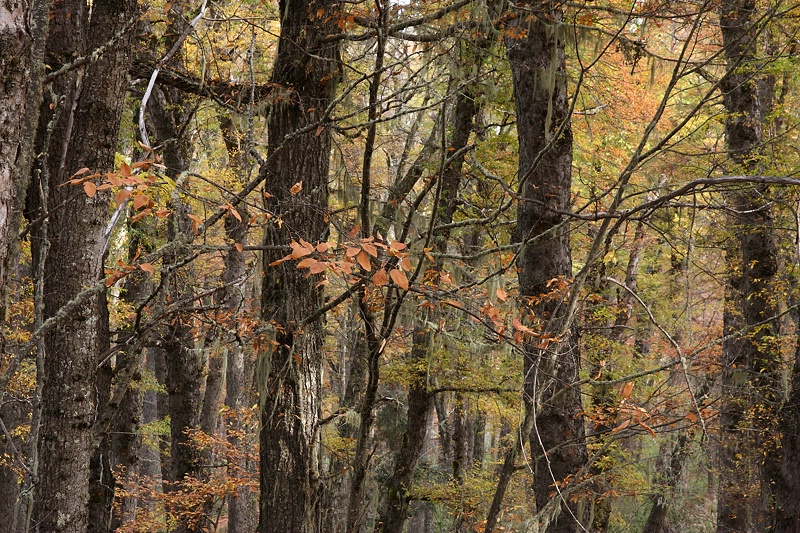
(626, 390)
(306, 263)
(318, 267)
(380, 278)
(363, 260)
(296, 188)
(141, 200)
(621, 426)
(399, 277)
(501, 294)
(370, 249)
(148, 267)
(239, 247)
(90, 189)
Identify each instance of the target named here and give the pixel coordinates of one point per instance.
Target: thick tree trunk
(752, 358)
(85, 135)
(290, 387)
(536, 53)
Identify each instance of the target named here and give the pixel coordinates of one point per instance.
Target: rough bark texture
(752, 359)
(787, 505)
(535, 49)
(290, 385)
(86, 118)
(242, 507)
(185, 364)
(22, 28)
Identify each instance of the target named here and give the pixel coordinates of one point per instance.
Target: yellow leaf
(399, 277)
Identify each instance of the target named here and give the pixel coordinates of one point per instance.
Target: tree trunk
(85, 135)
(290, 387)
(751, 357)
(536, 52)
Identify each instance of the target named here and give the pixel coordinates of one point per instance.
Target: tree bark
(751, 357)
(290, 387)
(86, 119)
(535, 46)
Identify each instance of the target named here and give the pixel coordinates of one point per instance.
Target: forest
(346, 266)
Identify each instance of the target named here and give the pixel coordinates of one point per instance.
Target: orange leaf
(122, 195)
(141, 200)
(405, 264)
(399, 277)
(307, 262)
(397, 245)
(354, 231)
(296, 188)
(82, 171)
(380, 278)
(239, 247)
(147, 267)
(90, 189)
(501, 294)
(370, 249)
(318, 267)
(351, 251)
(626, 390)
(648, 428)
(363, 260)
(621, 426)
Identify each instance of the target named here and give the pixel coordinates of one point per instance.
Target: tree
(77, 130)
(535, 44)
(296, 195)
(751, 356)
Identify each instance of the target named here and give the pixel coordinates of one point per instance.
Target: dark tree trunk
(290, 390)
(787, 504)
(751, 357)
(536, 54)
(85, 135)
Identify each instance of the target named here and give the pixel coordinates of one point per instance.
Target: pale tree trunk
(23, 32)
(242, 506)
(751, 358)
(536, 55)
(290, 385)
(85, 135)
